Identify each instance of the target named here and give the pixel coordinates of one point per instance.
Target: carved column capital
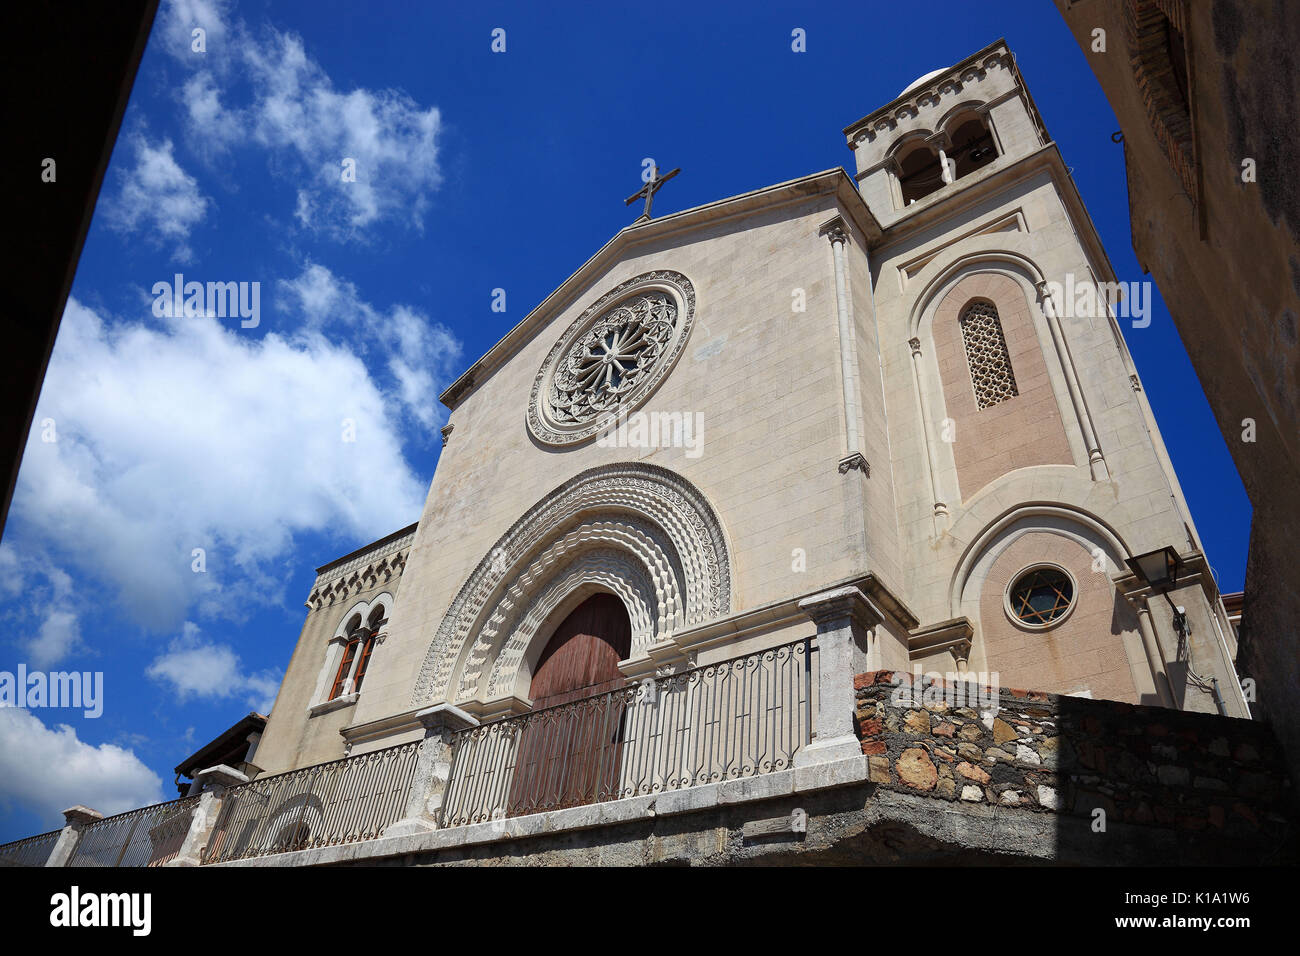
(857, 462)
(835, 230)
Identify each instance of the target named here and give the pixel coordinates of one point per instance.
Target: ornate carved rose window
(611, 357)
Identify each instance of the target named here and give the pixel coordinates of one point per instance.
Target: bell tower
(1026, 463)
(948, 126)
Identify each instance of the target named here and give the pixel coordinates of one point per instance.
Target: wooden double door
(572, 755)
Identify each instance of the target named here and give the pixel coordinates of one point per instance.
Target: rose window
(612, 357)
(608, 362)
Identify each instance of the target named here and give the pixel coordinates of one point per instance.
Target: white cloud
(59, 636)
(420, 355)
(46, 770)
(198, 668)
(177, 21)
(263, 87)
(43, 615)
(186, 433)
(157, 197)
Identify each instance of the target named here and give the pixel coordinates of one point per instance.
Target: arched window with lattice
(986, 354)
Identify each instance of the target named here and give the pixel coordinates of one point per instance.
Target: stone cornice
(953, 635)
(355, 734)
(374, 565)
(829, 609)
(692, 641)
(909, 98)
(385, 545)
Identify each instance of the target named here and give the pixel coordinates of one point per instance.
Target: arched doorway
(569, 756)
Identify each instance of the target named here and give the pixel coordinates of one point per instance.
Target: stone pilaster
(432, 769)
(837, 232)
(213, 784)
(932, 466)
(1096, 461)
(844, 617)
(77, 819)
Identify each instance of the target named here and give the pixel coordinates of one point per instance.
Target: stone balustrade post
(843, 616)
(432, 770)
(77, 819)
(213, 784)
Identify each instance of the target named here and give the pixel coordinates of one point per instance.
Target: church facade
(850, 403)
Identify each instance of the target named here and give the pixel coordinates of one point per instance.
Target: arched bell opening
(972, 144)
(919, 172)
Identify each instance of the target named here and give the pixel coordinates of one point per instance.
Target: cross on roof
(649, 189)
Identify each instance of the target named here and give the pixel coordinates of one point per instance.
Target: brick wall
(1039, 752)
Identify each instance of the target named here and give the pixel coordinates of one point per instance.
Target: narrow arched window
(986, 353)
(368, 636)
(345, 667)
(367, 647)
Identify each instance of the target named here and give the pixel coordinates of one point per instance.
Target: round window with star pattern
(1041, 596)
(611, 357)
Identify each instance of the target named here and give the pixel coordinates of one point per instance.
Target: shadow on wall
(1126, 784)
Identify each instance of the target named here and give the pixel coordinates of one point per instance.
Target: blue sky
(475, 171)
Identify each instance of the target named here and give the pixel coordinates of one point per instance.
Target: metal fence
(149, 836)
(344, 801)
(32, 851)
(739, 718)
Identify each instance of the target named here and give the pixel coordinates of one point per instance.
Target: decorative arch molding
(627, 562)
(364, 609)
(638, 531)
(921, 136)
(999, 260)
(965, 106)
(1068, 520)
(605, 571)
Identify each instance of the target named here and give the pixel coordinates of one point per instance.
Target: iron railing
(739, 718)
(344, 801)
(743, 717)
(31, 851)
(149, 836)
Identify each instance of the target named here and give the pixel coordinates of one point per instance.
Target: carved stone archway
(637, 531)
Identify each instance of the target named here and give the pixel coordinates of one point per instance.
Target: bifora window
(986, 354)
(1040, 596)
(361, 641)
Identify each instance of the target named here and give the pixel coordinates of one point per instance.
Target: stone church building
(745, 466)
(888, 399)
